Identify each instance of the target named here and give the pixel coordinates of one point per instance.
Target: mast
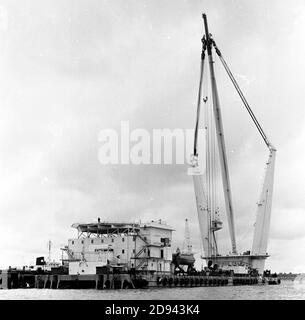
(187, 247)
(49, 250)
(220, 139)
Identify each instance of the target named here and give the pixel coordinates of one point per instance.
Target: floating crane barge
(112, 255)
(204, 185)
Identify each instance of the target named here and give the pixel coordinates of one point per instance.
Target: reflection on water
(286, 290)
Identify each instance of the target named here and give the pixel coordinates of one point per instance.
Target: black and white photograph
(152, 150)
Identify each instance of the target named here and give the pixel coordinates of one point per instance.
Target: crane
(208, 224)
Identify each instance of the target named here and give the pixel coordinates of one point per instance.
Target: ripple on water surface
(286, 290)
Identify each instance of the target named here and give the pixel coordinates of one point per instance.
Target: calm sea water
(286, 290)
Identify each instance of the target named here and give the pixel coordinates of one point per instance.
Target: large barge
(108, 255)
(111, 255)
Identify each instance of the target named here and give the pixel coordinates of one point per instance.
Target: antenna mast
(187, 247)
(49, 250)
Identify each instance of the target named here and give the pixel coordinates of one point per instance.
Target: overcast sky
(70, 68)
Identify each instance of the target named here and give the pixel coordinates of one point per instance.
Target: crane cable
(212, 169)
(208, 163)
(199, 95)
(211, 166)
(245, 102)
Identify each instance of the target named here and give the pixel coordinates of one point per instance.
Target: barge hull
(16, 279)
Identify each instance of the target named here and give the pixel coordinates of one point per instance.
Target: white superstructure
(138, 246)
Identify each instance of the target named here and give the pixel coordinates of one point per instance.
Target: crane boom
(220, 140)
(202, 208)
(200, 194)
(262, 224)
(199, 96)
(263, 217)
(204, 198)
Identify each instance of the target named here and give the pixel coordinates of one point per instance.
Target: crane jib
(202, 191)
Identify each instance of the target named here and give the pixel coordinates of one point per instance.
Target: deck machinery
(204, 183)
(184, 260)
